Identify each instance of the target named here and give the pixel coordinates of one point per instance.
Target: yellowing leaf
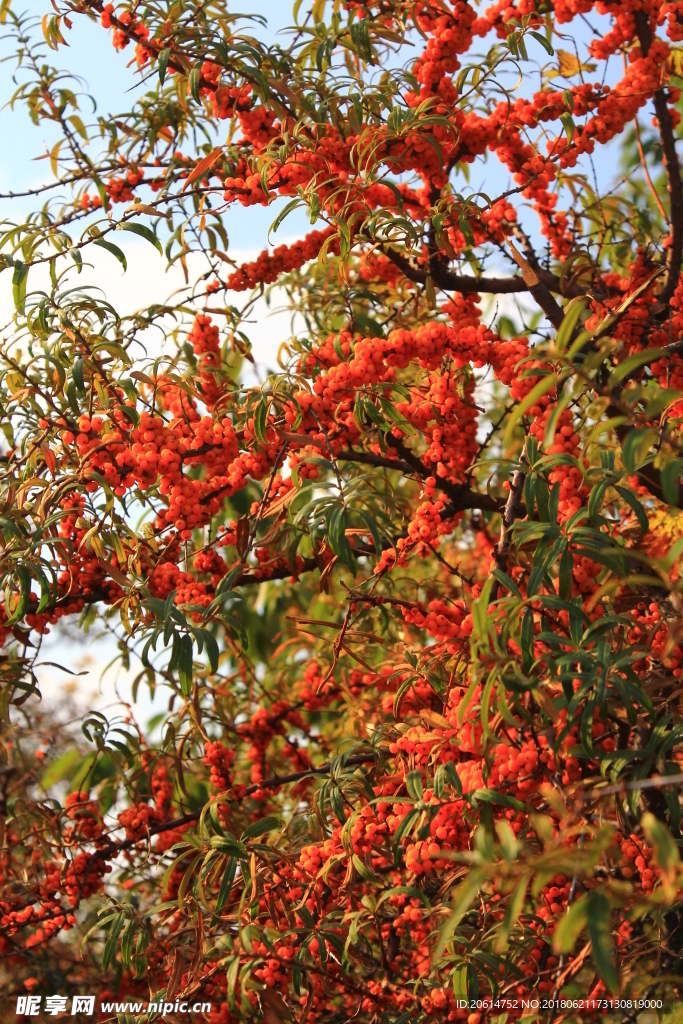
(203, 166)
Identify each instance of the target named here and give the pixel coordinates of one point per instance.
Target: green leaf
(19, 279)
(232, 847)
(362, 868)
(596, 498)
(195, 76)
(184, 663)
(259, 828)
(663, 844)
(466, 228)
(568, 125)
(261, 419)
(77, 258)
(113, 249)
(261, 82)
(337, 804)
(631, 500)
(539, 389)
(405, 826)
(453, 777)
(602, 947)
(226, 885)
(571, 926)
(144, 232)
(671, 481)
(554, 503)
(60, 768)
(291, 205)
(430, 293)
(545, 43)
(369, 326)
(566, 571)
(414, 784)
(164, 58)
(465, 895)
(75, 120)
(127, 942)
(95, 928)
(398, 699)
(465, 982)
(507, 582)
(514, 909)
(628, 366)
(542, 499)
(572, 312)
(527, 643)
(110, 944)
(24, 579)
(636, 447)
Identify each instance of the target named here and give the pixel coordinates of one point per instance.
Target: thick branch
(546, 283)
(370, 459)
(461, 496)
(672, 168)
(277, 574)
(540, 292)
(463, 283)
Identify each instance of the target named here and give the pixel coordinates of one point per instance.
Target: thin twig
(113, 849)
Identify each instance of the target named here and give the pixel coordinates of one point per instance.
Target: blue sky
(113, 85)
(103, 74)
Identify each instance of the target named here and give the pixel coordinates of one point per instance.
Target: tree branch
(513, 510)
(113, 849)
(468, 284)
(451, 282)
(538, 288)
(461, 496)
(672, 168)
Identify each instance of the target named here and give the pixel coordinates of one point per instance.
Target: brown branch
(544, 283)
(461, 496)
(672, 168)
(512, 511)
(370, 459)
(463, 283)
(538, 288)
(283, 573)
